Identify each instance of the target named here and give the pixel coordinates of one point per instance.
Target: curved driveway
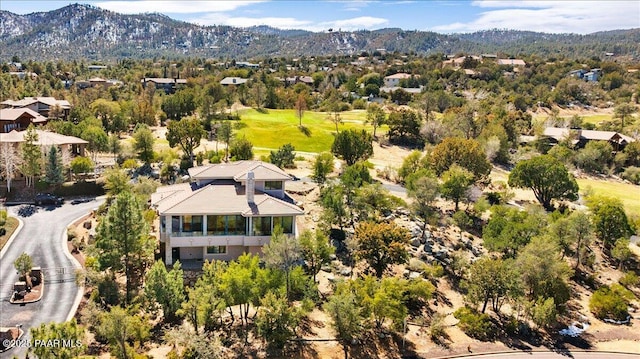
(552, 355)
(41, 238)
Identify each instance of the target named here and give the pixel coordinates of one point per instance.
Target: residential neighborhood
(176, 188)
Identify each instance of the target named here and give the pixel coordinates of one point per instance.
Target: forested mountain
(87, 31)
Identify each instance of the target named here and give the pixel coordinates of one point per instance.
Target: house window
(191, 223)
(216, 249)
(272, 185)
(163, 224)
(236, 225)
(226, 225)
(261, 226)
(175, 224)
(286, 223)
(215, 225)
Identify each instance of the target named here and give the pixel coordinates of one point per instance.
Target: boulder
(415, 242)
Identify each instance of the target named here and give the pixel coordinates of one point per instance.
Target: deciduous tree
(283, 252)
(375, 116)
(23, 265)
(31, 156)
(10, 162)
(185, 133)
(380, 245)
(346, 320)
(143, 144)
(466, 153)
(316, 250)
(547, 177)
(455, 183)
(165, 288)
(120, 329)
(352, 146)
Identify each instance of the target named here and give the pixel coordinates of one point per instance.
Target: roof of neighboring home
(563, 133)
(220, 199)
(12, 114)
(50, 101)
(233, 81)
(514, 62)
(400, 75)
(45, 138)
(412, 90)
(164, 80)
(237, 171)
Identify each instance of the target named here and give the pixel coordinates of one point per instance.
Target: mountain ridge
(86, 31)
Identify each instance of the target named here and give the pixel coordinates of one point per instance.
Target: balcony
(197, 239)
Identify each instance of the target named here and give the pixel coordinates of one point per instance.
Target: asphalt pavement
(41, 238)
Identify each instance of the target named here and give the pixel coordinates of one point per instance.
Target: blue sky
(440, 16)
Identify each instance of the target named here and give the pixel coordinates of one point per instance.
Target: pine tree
(123, 244)
(54, 167)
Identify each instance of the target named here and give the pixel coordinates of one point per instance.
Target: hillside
(90, 32)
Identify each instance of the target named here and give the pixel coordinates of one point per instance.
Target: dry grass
(10, 226)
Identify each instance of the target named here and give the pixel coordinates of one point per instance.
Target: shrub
(474, 324)
(632, 174)
(610, 302)
(630, 279)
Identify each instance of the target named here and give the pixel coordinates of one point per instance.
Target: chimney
(251, 187)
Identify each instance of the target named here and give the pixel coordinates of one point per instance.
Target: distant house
(410, 90)
(233, 81)
(96, 67)
(70, 144)
(511, 62)
(307, 80)
(458, 61)
(579, 74)
(247, 65)
(41, 105)
(169, 85)
(19, 119)
(22, 74)
(579, 137)
(97, 81)
(593, 75)
(228, 209)
(394, 80)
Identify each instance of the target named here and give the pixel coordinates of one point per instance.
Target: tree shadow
(305, 130)
(262, 110)
(371, 345)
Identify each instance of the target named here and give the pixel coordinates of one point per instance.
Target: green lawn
(274, 128)
(629, 194)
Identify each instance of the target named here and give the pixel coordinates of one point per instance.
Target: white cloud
(173, 7)
(551, 16)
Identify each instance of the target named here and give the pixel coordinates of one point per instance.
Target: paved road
(552, 355)
(41, 238)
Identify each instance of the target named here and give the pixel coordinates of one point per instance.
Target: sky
(449, 16)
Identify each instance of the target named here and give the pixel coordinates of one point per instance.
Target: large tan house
(226, 210)
(41, 105)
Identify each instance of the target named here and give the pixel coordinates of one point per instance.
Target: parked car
(48, 198)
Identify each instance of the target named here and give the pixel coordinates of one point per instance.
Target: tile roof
(50, 101)
(219, 199)
(238, 170)
(12, 114)
(45, 138)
